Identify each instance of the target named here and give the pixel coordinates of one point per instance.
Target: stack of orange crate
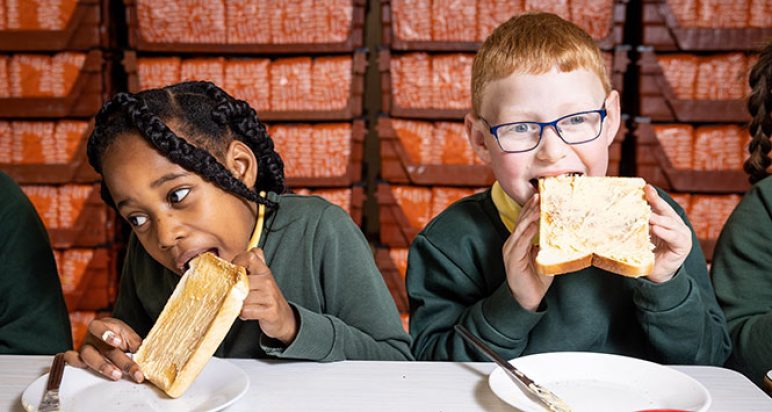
(53, 78)
(692, 138)
(425, 65)
(302, 70)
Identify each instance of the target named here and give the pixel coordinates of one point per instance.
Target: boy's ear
(613, 117)
(476, 137)
(242, 163)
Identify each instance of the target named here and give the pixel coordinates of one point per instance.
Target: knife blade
(543, 395)
(50, 402)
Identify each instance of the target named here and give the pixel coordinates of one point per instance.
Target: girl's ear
(242, 163)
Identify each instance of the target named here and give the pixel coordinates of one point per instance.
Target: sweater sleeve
(33, 315)
(681, 317)
(442, 294)
(360, 320)
(742, 275)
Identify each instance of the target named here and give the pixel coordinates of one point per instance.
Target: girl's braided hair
(204, 113)
(760, 107)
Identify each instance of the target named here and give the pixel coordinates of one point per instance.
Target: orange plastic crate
(296, 88)
(461, 25)
(45, 151)
(328, 154)
(349, 199)
(74, 215)
(87, 277)
(392, 262)
(716, 158)
(688, 88)
(239, 26)
(68, 84)
(706, 25)
(405, 210)
(52, 25)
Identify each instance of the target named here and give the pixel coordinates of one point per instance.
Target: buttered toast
(598, 221)
(194, 321)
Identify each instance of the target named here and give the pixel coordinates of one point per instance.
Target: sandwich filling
(606, 217)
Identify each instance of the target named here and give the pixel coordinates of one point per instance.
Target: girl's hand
(527, 286)
(104, 350)
(265, 301)
(671, 237)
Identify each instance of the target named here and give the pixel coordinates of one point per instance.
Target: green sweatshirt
(325, 269)
(456, 275)
(33, 316)
(742, 276)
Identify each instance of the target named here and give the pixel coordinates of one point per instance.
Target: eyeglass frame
(494, 129)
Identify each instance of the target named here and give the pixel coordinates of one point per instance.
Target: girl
(185, 166)
(742, 263)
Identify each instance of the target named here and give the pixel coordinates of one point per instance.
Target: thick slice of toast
(598, 221)
(194, 321)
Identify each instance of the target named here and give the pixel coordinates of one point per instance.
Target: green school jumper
(456, 275)
(742, 276)
(325, 269)
(33, 316)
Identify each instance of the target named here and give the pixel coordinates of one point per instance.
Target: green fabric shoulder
(742, 276)
(33, 315)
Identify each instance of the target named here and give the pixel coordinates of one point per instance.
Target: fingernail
(138, 376)
(116, 374)
(110, 338)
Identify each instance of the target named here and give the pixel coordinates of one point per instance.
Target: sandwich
(598, 221)
(194, 321)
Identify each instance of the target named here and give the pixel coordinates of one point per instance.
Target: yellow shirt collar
(508, 209)
(255, 239)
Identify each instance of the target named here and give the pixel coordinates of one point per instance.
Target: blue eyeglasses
(576, 128)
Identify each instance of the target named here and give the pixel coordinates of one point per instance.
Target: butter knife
(50, 402)
(548, 399)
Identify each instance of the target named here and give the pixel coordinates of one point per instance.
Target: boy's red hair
(534, 43)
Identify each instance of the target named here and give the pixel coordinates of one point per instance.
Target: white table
(386, 386)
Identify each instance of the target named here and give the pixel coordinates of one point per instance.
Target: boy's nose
(552, 148)
(168, 231)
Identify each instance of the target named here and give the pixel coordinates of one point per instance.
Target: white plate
(601, 382)
(220, 384)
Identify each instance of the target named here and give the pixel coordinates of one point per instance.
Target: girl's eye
(178, 195)
(137, 220)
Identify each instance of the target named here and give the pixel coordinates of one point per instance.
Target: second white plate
(602, 382)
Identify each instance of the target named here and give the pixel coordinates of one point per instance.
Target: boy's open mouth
(535, 181)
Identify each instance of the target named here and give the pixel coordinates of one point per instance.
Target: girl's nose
(552, 148)
(168, 231)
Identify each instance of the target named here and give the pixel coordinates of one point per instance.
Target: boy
(473, 264)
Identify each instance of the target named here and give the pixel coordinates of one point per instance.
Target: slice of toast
(194, 321)
(598, 221)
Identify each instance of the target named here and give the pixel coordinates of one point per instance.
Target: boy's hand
(104, 350)
(671, 237)
(265, 302)
(527, 286)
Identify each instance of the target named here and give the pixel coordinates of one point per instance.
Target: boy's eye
(137, 220)
(178, 195)
(521, 128)
(576, 119)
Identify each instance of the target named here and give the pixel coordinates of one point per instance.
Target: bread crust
(622, 268)
(563, 267)
(210, 339)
